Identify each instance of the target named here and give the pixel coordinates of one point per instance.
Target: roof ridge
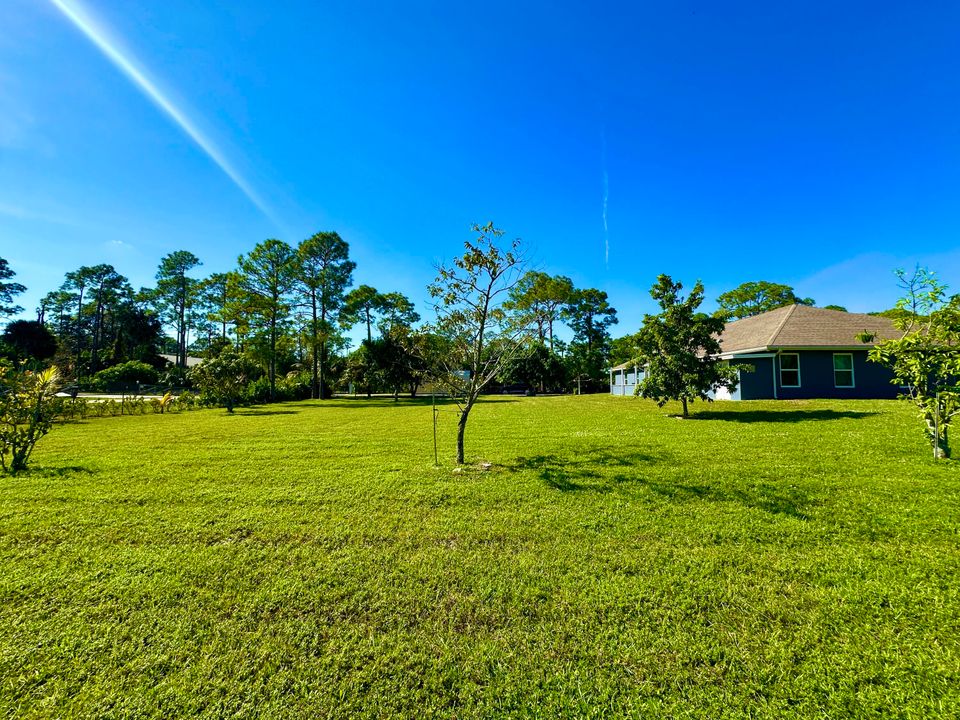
(783, 322)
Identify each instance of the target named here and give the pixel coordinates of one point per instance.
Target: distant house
(624, 378)
(797, 352)
(191, 361)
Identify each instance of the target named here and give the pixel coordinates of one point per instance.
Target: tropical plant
(27, 411)
(224, 379)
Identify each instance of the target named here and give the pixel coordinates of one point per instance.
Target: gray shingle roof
(800, 326)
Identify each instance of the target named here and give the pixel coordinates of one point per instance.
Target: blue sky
(815, 144)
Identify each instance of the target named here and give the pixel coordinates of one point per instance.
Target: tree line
(285, 311)
(288, 310)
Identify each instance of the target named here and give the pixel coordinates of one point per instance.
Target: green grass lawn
(792, 559)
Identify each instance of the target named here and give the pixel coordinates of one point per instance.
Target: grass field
(307, 560)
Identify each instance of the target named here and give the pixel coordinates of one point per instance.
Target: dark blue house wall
(756, 385)
(871, 380)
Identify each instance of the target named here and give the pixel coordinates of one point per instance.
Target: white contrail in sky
(77, 15)
(606, 196)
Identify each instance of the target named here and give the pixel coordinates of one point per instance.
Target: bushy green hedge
(128, 372)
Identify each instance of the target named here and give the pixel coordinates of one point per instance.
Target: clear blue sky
(813, 143)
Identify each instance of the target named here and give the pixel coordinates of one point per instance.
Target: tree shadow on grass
(259, 412)
(582, 472)
(790, 501)
(782, 416)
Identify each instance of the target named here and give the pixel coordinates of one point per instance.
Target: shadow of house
(780, 416)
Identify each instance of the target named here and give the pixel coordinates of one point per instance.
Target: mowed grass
(794, 559)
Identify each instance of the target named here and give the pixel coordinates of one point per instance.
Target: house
(191, 361)
(797, 352)
(624, 378)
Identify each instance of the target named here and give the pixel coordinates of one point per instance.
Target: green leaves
(8, 290)
(926, 359)
(27, 410)
(679, 348)
(753, 298)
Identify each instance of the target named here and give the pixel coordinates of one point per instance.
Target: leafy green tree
(109, 289)
(397, 313)
(623, 349)
(27, 410)
(926, 357)
(590, 316)
(838, 308)
(324, 271)
(54, 311)
(223, 378)
(221, 298)
(106, 290)
(175, 297)
(29, 340)
(8, 290)
(543, 297)
(481, 332)
(266, 276)
(753, 298)
(678, 348)
(393, 313)
(75, 286)
(137, 334)
(361, 305)
(537, 368)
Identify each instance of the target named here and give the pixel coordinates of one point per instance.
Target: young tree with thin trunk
(679, 348)
(925, 359)
(267, 275)
(323, 273)
(482, 333)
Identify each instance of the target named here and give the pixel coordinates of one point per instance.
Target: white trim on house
(853, 381)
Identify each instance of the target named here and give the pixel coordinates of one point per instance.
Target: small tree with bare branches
(481, 333)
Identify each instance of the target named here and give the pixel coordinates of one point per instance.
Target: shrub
(295, 386)
(224, 379)
(27, 408)
(128, 372)
(257, 391)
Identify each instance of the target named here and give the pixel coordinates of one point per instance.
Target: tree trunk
(685, 413)
(97, 326)
(79, 331)
(461, 428)
(182, 322)
(314, 347)
(272, 365)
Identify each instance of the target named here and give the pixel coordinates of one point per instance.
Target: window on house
(842, 370)
(790, 370)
